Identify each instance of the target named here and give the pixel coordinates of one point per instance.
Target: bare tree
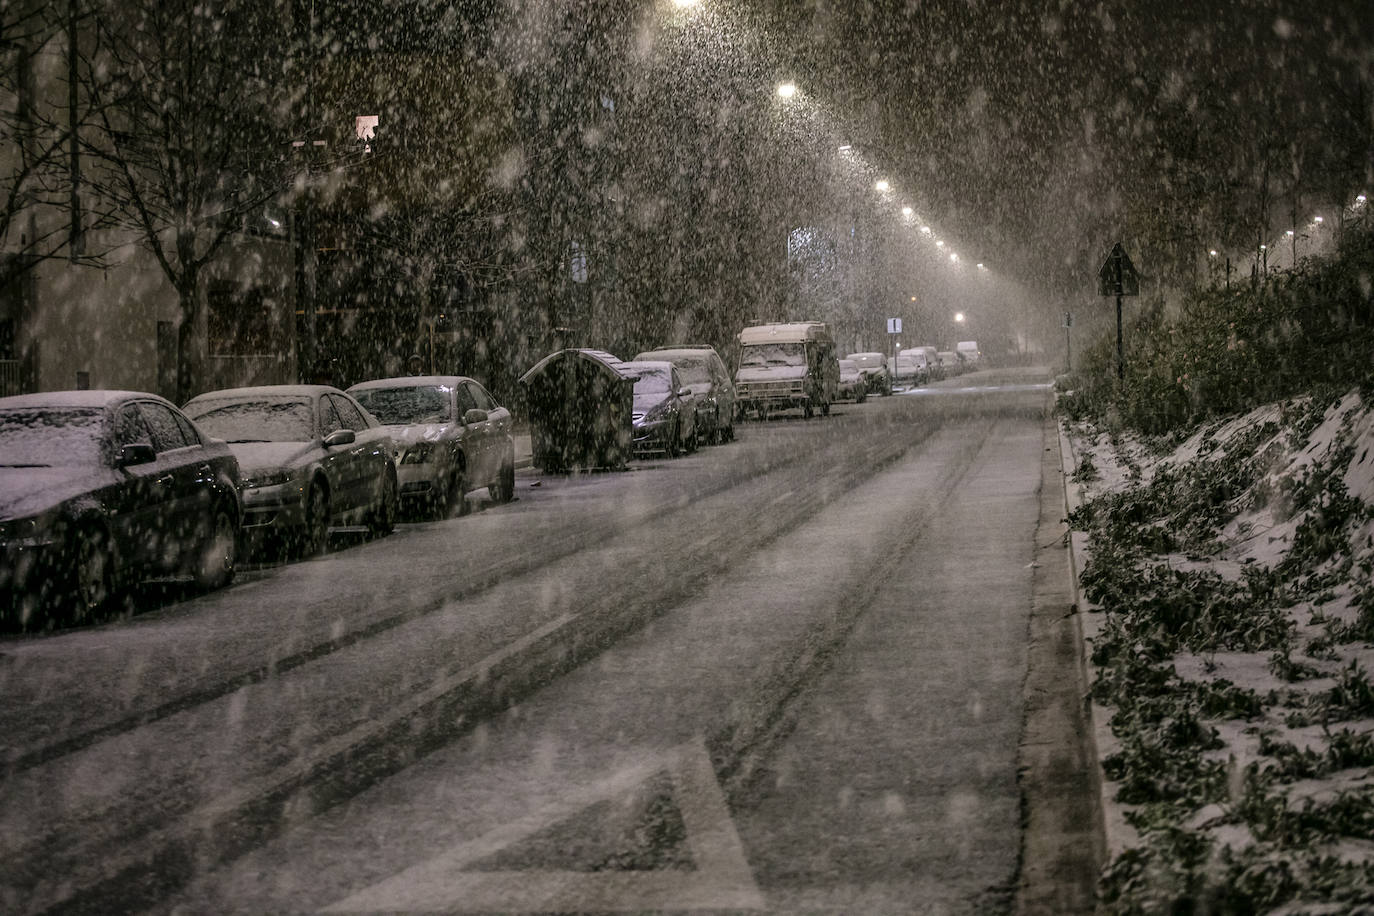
(41, 165)
(191, 139)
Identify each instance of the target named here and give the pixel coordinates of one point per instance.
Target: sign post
(894, 327)
(1068, 342)
(1118, 278)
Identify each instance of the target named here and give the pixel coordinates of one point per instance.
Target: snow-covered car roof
(270, 391)
(413, 381)
(97, 398)
(642, 365)
(669, 352)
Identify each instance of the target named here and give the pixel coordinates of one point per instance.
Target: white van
(786, 366)
(968, 349)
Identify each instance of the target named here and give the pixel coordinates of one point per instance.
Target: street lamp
(882, 185)
(959, 317)
(906, 211)
(787, 90)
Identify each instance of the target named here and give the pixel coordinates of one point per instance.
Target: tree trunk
(192, 336)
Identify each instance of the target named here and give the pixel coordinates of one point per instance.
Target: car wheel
(92, 574)
(808, 411)
(217, 556)
(763, 413)
(672, 446)
(315, 537)
(503, 491)
(383, 519)
(458, 494)
(825, 408)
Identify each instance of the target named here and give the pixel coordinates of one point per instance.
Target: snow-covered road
(793, 663)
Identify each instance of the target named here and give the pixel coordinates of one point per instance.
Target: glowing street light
(959, 317)
(939, 243)
(953, 257)
(882, 185)
(1212, 253)
(925, 230)
(906, 211)
(787, 90)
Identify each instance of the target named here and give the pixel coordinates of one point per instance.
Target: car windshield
(652, 381)
(41, 437)
(692, 370)
(414, 404)
(868, 361)
(285, 419)
(757, 356)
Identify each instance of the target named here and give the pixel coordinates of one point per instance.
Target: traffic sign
(894, 325)
(1117, 276)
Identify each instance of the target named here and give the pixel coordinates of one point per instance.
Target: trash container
(579, 404)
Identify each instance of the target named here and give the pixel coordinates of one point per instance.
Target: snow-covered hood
(255, 456)
(770, 373)
(29, 491)
(405, 436)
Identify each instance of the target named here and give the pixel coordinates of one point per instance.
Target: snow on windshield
(271, 420)
(772, 354)
(46, 437)
(417, 404)
(692, 370)
(651, 381)
(867, 360)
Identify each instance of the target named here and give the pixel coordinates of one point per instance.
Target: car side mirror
(684, 392)
(135, 453)
(340, 437)
(474, 415)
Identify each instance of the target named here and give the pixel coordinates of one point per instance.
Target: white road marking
(721, 880)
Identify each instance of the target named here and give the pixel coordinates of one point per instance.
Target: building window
(243, 322)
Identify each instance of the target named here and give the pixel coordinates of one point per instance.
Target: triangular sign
(1118, 276)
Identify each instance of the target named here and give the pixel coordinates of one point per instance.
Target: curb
(1118, 835)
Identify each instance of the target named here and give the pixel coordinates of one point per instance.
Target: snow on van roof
(792, 331)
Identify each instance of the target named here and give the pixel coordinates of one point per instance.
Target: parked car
(873, 367)
(664, 414)
(703, 371)
(951, 363)
(924, 359)
(102, 489)
(852, 386)
(452, 438)
(310, 458)
(906, 373)
(968, 349)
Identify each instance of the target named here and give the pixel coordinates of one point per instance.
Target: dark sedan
(101, 489)
(312, 458)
